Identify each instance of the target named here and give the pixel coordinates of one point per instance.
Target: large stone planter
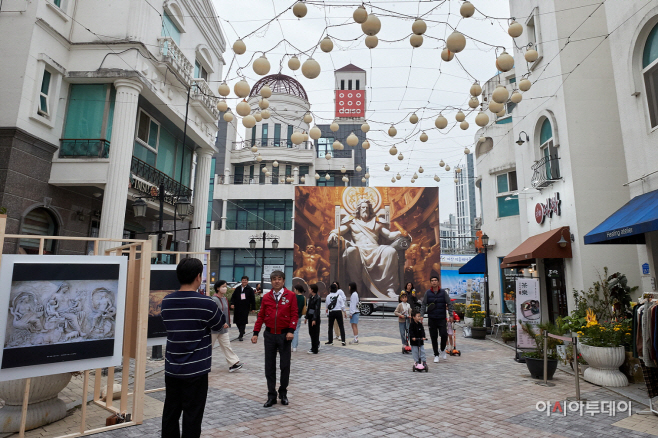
(604, 363)
(479, 332)
(44, 407)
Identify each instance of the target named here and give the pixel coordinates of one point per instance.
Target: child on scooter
(417, 338)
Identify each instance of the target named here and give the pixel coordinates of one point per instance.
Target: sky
(401, 80)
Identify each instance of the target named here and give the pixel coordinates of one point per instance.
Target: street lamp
(139, 208)
(252, 244)
(485, 244)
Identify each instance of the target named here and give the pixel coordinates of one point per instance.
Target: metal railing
(255, 179)
(173, 56)
(259, 225)
(271, 143)
(84, 148)
(149, 173)
(545, 171)
(335, 154)
(201, 92)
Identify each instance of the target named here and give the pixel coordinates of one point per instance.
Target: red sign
(552, 206)
(350, 103)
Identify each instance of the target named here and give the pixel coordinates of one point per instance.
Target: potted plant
(460, 309)
(479, 331)
(509, 335)
(468, 314)
(535, 359)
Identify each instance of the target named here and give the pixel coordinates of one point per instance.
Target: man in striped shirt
(188, 317)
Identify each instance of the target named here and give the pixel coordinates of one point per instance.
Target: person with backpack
(355, 312)
(301, 311)
(336, 311)
(436, 301)
(313, 319)
(221, 335)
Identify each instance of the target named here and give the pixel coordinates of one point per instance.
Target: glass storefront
(508, 279)
(234, 263)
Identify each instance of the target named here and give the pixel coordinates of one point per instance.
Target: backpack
(332, 302)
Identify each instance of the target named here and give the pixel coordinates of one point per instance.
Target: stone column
(224, 208)
(201, 193)
(121, 152)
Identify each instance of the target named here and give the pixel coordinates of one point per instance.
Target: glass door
(556, 290)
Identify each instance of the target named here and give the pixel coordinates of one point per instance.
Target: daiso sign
(350, 103)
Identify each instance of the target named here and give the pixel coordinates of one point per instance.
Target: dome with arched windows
(281, 84)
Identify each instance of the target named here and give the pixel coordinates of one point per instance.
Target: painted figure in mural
(375, 264)
(313, 266)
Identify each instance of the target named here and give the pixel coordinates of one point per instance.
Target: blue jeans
(418, 353)
(403, 331)
(295, 340)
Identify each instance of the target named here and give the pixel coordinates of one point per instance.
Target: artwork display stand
(134, 334)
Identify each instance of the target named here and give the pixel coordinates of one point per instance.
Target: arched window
(650, 74)
(549, 151)
(38, 222)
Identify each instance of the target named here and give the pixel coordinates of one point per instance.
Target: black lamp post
(485, 244)
(252, 245)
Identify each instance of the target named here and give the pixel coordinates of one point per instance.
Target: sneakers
(240, 338)
(444, 356)
(235, 367)
(343, 343)
(425, 364)
(436, 359)
(294, 350)
(356, 341)
(329, 343)
(312, 352)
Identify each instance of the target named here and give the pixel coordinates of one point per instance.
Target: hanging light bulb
(460, 116)
(473, 102)
(334, 126)
(386, 167)
(327, 156)
(288, 179)
(254, 149)
(501, 113)
(400, 156)
(317, 176)
(275, 164)
(416, 40)
(265, 114)
(447, 55)
(531, 55)
(259, 158)
(421, 170)
(372, 25)
(261, 66)
(419, 27)
(476, 89)
(495, 107)
(345, 179)
(343, 169)
(268, 174)
(305, 136)
(365, 127)
(338, 145)
(367, 175)
(398, 176)
(392, 180)
(311, 68)
(222, 106)
(423, 137)
(413, 180)
(266, 91)
(467, 9)
(456, 180)
(242, 88)
(302, 179)
(458, 170)
(299, 10)
(358, 168)
(293, 63)
(505, 62)
(363, 179)
(441, 122)
(393, 150)
(308, 118)
(352, 140)
(249, 121)
(243, 108)
(239, 47)
(500, 94)
(415, 175)
(413, 118)
(436, 178)
(371, 41)
(263, 103)
(258, 116)
(392, 131)
(482, 119)
(365, 145)
(464, 125)
(360, 15)
(326, 45)
(315, 133)
(515, 29)
(442, 163)
(516, 97)
(263, 169)
(327, 177)
(525, 85)
(228, 116)
(447, 168)
(297, 137)
(456, 42)
(224, 89)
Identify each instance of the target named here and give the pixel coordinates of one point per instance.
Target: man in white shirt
(335, 302)
(355, 312)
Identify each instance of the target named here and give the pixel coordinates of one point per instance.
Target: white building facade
(94, 104)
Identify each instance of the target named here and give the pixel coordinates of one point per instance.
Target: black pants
(314, 333)
(336, 315)
(241, 328)
(189, 397)
(277, 344)
(438, 326)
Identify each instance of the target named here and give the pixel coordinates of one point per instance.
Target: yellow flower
(591, 318)
(581, 333)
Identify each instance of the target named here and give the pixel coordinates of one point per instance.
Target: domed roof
(280, 84)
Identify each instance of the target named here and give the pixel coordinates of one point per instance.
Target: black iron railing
(256, 179)
(335, 154)
(84, 148)
(546, 171)
(149, 173)
(271, 143)
(259, 225)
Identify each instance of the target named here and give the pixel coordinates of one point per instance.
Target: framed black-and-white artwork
(60, 313)
(163, 282)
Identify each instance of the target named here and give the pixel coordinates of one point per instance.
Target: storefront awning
(542, 246)
(629, 223)
(477, 265)
(519, 265)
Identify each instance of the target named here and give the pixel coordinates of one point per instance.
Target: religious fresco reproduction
(163, 282)
(377, 237)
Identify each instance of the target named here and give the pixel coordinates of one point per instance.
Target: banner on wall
(268, 269)
(528, 309)
(460, 286)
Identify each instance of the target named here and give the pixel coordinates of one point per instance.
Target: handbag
(305, 308)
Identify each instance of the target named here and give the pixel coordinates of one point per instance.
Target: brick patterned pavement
(370, 390)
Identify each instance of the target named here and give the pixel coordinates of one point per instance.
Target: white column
(201, 193)
(121, 151)
(224, 208)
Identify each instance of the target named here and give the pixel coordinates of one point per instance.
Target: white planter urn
(44, 407)
(468, 322)
(604, 363)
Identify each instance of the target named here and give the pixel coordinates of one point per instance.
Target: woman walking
(412, 299)
(232, 359)
(403, 312)
(301, 303)
(313, 319)
(355, 312)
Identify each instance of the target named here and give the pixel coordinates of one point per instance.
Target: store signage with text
(553, 206)
(350, 103)
(528, 309)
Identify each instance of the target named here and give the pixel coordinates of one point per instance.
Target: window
(169, 29)
(303, 171)
(349, 84)
(289, 140)
(288, 172)
(253, 135)
(146, 144)
(331, 182)
(58, 3)
(199, 71)
(507, 199)
(39, 222)
(342, 84)
(357, 85)
(234, 263)
(238, 175)
(650, 73)
(534, 35)
(549, 151)
(259, 214)
(210, 197)
(264, 134)
(325, 146)
(275, 175)
(277, 134)
(43, 94)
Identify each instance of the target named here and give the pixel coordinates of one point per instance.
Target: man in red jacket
(278, 310)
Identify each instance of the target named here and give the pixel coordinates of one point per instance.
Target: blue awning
(477, 265)
(629, 223)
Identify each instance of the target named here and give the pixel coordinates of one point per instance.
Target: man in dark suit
(243, 301)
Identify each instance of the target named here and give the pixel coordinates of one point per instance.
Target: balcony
(271, 143)
(84, 148)
(258, 225)
(545, 172)
(335, 154)
(255, 179)
(174, 58)
(151, 175)
(204, 99)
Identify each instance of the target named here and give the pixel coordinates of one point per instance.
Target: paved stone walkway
(370, 390)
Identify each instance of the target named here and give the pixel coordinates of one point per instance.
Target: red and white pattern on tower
(350, 103)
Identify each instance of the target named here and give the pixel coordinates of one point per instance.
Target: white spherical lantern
(254, 149)
(258, 116)
(317, 176)
(371, 41)
(436, 178)
(363, 179)
(289, 179)
(447, 168)
(525, 84)
(315, 133)
(386, 167)
(398, 177)
(228, 116)
(393, 150)
(442, 163)
(308, 118)
(482, 119)
(392, 131)
(338, 146)
(297, 137)
(259, 158)
(458, 170)
(416, 40)
(268, 174)
(239, 47)
(476, 89)
(334, 126)
(501, 113)
(423, 137)
(421, 170)
(360, 15)
(467, 151)
(265, 113)
(327, 177)
(302, 179)
(365, 127)
(264, 103)
(305, 136)
(495, 107)
(372, 25)
(441, 122)
(293, 63)
(359, 168)
(222, 106)
(343, 170)
(447, 55)
(311, 68)
(473, 102)
(299, 10)
(531, 55)
(249, 121)
(515, 29)
(500, 94)
(224, 89)
(456, 180)
(467, 9)
(460, 116)
(275, 164)
(261, 66)
(415, 176)
(352, 140)
(516, 97)
(326, 45)
(400, 156)
(464, 125)
(393, 180)
(241, 88)
(243, 108)
(365, 145)
(413, 181)
(456, 42)
(419, 27)
(345, 179)
(413, 118)
(327, 156)
(266, 92)
(505, 62)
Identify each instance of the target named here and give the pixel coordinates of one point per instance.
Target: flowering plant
(606, 333)
(471, 309)
(478, 318)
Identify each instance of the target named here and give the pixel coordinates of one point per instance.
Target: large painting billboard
(378, 237)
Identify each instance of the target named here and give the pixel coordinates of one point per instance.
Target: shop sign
(553, 206)
(645, 269)
(528, 309)
(456, 259)
(268, 269)
(350, 103)
(148, 189)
